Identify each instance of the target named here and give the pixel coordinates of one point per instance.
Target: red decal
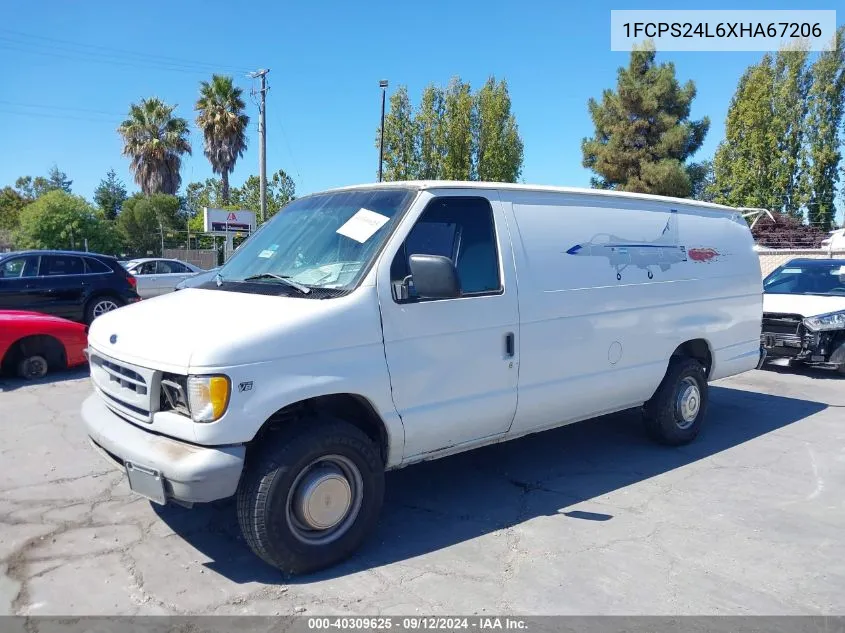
(703, 254)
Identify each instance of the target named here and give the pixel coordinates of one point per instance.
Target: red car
(32, 343)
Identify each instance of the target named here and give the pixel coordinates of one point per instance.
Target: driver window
(147, 268)
(462, 230)
(20, 267)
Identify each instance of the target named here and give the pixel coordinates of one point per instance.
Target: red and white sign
(222, 221)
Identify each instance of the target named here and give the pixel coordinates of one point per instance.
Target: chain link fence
(771, 258)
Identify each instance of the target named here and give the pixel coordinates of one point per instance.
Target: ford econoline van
(367, 328)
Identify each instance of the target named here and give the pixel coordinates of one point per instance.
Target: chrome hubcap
(688, 402)
(102, 307)
(324, 500)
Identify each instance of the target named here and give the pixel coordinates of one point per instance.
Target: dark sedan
(67, 284)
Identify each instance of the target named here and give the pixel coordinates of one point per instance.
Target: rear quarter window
(95, 266)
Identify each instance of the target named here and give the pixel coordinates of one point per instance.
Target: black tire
(94, 307)
(265, 493)
(32, 367)
(663, 414)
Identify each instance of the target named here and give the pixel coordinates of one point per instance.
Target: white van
(367, 328)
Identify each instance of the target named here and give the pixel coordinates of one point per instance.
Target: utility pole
(383, 85)
(161, 232)
(262, 138)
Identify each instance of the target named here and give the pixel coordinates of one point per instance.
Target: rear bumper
(192, 474)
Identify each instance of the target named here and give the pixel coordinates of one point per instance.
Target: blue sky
(60, 103)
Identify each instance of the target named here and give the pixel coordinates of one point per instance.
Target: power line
(79, 57)
(58, 107)
(47, 115)
(278, 120)
(62, 44)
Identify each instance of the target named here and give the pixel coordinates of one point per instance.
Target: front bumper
(191, 473)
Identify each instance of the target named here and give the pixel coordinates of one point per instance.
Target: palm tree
(155, 140)
(223, 124)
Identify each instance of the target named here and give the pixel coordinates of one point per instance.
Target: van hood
(196, 328)
(805, 305)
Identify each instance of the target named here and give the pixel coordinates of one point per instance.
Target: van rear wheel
(674, 414)
(311, 496)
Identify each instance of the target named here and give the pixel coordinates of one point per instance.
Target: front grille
(785, 334)
(776, 323)
(129, 390)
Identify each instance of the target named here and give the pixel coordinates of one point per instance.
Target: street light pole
(383, 85)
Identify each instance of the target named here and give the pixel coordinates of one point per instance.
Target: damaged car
(804, 313)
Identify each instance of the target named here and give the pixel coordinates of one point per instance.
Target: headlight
(832, 321)
(208, 397)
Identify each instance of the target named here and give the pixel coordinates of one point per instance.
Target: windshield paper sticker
(363, 225)
(269, 252)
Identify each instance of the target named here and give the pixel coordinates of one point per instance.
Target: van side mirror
(435, 277)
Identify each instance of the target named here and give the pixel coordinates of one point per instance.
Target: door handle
(509, 345)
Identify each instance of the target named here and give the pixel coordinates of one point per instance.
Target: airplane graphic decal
(662, 253)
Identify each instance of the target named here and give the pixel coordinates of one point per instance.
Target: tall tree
(155, 141)
(826, 103)
(144, 218)
(281, 190)
(202, 194)
(454, 134)
(644, 135)
(60, 220)
(702, 181)
(743, 164)
(458, 125)
(430, 131)
(58, 180)
(29, 187)
(110, 195)
(11, 204)
(221, 117)
(400, 157)
(32, 188)
(789, 93)
(497, 142)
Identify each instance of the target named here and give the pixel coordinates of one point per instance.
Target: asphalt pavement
(588, 519)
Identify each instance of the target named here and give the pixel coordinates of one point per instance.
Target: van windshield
(320, 241)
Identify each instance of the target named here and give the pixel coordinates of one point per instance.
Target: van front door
(453, 363)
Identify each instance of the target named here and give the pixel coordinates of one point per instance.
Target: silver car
(158, 276)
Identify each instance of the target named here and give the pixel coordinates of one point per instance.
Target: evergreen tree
(643, 133)
(110, 195)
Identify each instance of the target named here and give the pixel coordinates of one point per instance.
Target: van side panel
(608, 290)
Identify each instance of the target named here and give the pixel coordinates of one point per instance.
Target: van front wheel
(674, 414)
(309, 497)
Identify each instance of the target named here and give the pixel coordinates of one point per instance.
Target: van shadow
(12, 383)
(433, 505)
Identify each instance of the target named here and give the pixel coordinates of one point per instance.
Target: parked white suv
(158, 276)
(368, 328)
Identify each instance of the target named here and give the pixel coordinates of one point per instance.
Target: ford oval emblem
(113, 339)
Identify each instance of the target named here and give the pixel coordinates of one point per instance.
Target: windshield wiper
(283, 278)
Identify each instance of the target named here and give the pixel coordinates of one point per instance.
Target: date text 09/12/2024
(481, 623)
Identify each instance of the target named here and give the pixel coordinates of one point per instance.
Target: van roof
(606, 193)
